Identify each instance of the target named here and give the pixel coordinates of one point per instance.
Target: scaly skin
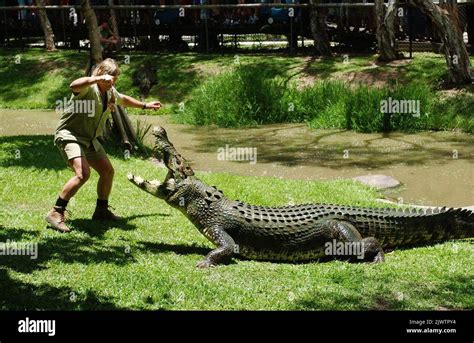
(295, 233)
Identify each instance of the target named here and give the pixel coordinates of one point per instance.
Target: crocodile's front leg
(226, 247)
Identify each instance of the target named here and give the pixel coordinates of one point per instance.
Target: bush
(246, 96)
(243, 97)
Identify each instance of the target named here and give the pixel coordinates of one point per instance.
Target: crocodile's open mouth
(162, 190)
(178, 168)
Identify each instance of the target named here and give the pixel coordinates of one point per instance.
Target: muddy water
(435, 168)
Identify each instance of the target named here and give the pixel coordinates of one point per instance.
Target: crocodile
(296, 233)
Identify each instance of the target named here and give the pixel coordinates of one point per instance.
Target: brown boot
(103, 213)
(55, 218)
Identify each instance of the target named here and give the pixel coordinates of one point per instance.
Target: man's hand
(106, 80)
(131, 102)
(155, 105)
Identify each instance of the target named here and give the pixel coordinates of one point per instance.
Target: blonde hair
(107, 66)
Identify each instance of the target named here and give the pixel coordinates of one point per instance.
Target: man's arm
(78, 85)
(131, 102)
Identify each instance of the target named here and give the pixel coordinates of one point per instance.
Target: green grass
(148, 262)
(40, 79)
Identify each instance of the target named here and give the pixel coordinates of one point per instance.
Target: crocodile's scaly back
(392, 227)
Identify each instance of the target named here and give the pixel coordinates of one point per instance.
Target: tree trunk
(385, 21)
(113, 22)
(119, 126)
(94, 34)
(317, 18)
(445, 22)
(46, 26)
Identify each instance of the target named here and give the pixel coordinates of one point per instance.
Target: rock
(378, 181)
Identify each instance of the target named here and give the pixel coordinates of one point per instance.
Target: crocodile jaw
(154, 187)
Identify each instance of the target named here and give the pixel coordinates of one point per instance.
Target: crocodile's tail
(447, 224)
(415, 226)
(464, 223)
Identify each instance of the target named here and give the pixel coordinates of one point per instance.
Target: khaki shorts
(70, 150)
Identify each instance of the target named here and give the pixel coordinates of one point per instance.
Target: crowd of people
(226, 16)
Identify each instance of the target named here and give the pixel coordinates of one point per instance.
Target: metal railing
(216, 27)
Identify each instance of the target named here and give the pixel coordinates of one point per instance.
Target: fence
(222, 27)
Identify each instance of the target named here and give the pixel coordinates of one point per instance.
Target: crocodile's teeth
(135, 179)
(155, 182)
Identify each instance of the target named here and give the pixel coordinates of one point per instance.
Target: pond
(435, 168)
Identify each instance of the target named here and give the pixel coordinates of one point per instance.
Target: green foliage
(242, 97)
(245, 97)
(142, 129)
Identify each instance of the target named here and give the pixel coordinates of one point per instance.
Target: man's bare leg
(81, 175)
(104, 187)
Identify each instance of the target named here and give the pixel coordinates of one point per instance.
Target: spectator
(110, 42)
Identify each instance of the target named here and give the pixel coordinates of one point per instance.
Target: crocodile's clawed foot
(205, 264)
(373, 251)
(379, 258)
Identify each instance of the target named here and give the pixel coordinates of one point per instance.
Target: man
(76, 137)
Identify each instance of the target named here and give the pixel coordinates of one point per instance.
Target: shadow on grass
(97, 229)
(179, 249)
(19, 80)
(361, 296)
(322, 67)
(39, 152)
(17, 295)
(34, 152)
(67, 248)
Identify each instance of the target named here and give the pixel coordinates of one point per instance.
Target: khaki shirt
(82, 120)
